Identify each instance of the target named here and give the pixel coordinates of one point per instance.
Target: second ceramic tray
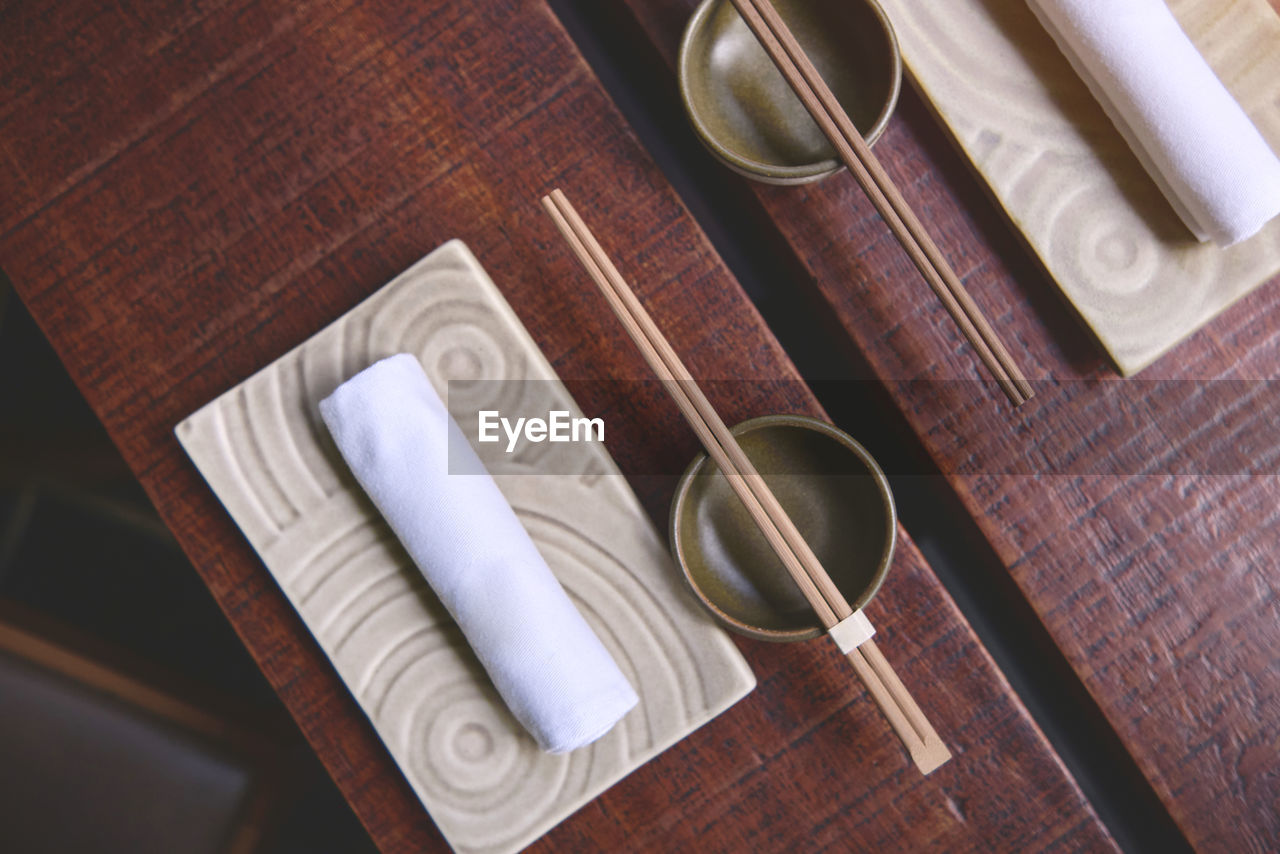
(265, 452)
(1067, 179)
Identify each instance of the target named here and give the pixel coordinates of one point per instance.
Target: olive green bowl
(743, 109)
(830, 487)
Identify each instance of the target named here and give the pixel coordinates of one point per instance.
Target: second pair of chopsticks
(850, 629)
(800, 73)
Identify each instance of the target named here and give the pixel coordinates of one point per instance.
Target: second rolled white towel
(549, 666)
(1189, 132)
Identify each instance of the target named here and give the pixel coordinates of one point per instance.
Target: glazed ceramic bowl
(830, 487)
(744, 111)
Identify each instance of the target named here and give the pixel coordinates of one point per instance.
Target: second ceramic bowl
(744, 111)
(830, 487)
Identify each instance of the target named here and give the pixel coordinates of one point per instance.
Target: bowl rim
(818, 426)
(771, 172)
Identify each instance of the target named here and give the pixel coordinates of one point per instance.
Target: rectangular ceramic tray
(265, 452)
(1065, 176)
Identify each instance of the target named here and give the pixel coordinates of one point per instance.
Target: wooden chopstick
(672, 365)
(800, 73)
(904, 715)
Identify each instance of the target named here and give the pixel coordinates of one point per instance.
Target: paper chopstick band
(852, 632)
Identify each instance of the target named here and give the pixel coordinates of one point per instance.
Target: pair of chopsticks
(923, 743)
(803, 77)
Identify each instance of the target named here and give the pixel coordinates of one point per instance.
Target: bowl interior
(829, 487)
(743, 108)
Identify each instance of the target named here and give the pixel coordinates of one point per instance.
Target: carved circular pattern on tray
(485, 782)
(1068, 180)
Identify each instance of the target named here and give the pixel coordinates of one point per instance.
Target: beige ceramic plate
(1068, 180)
(263, 449)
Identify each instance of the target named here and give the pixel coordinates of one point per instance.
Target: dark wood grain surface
(1139, 518)
(193, 189)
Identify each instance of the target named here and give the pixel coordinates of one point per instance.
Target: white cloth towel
(1208, 158)
(553, 672)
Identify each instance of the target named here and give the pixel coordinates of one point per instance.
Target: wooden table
(191, 190)
(1138, 518)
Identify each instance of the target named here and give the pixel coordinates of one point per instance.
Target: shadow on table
(83, 553)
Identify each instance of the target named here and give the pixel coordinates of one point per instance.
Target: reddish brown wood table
(191, 190)
(1138, 518)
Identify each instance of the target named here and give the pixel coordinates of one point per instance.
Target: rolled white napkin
(1208, 158)
(553, 672)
